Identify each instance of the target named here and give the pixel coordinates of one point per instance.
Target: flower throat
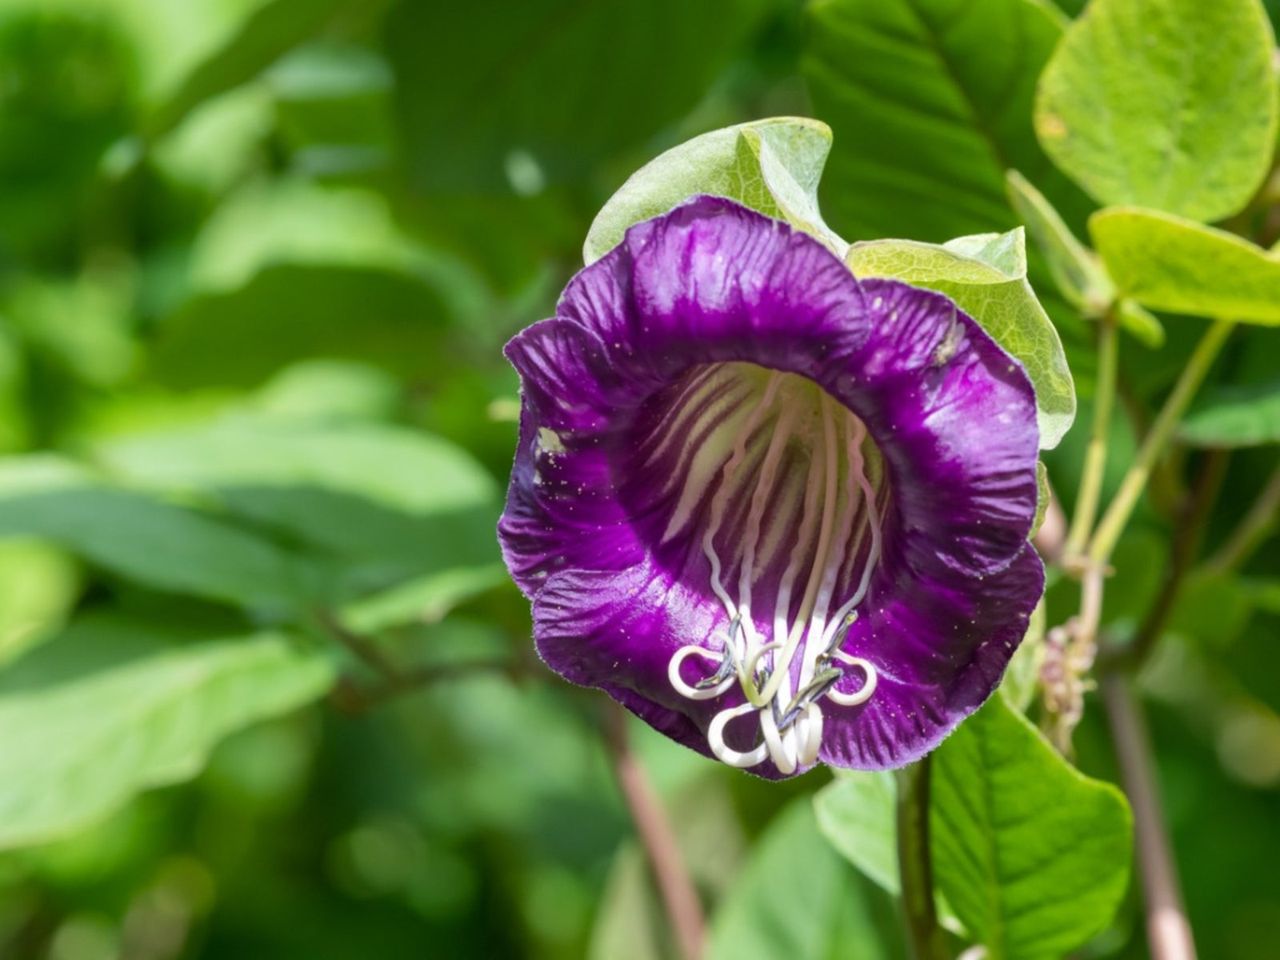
(825, 539)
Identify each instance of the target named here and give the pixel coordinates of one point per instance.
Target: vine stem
(679, 897)
(1253, 529)
(915, 866)
(1168, 931)
(1095, 457)
(1188, 534)
(1135, 480)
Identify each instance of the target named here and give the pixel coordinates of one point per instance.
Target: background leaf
(794, 898)
(498, 96)
(269, 29)
(930, 103)
(1075, 270)
(77, 746)
(1032, 855)
(857, 814)
(162, 545)
(1244, 416)
(1169, 263)
(393, 502)
(294, 311)
(1163, 103)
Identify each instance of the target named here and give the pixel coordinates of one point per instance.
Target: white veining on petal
(796, 472)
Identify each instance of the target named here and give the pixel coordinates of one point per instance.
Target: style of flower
(779, 513)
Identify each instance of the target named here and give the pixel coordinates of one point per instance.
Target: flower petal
(626, 483)
(939, 648)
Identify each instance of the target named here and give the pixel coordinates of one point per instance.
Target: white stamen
(812, 734)
(868, 685)
(721, 499)
(858, 469)
(726, 754)
(768, 473)
(684, 689)
(832, 533)
(818, 629)
(781, 671)
(782, 751)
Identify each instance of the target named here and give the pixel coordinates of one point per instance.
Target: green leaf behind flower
(769, 165)
(1164, 103)
(986, 275)
(930, 101)
(548, 89)
(1171, 263)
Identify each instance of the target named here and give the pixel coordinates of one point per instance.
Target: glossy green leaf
(161, 545)
(986, 276)
(529, 93)
(1171, 263)
(79, 743)
(1247, 416)
(794, 898)
(769, 165)
(930, 103)
(1032, 855)
(1168, 104)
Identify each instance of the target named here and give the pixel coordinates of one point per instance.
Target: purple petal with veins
(778, 513)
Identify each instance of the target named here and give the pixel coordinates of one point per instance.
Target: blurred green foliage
(257, 260)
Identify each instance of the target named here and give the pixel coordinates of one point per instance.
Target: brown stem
(393, 680)
(1188, 534)
(1252, 530)
(364, 648)
(1168, 931)
(351, 697)
(679, 898)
